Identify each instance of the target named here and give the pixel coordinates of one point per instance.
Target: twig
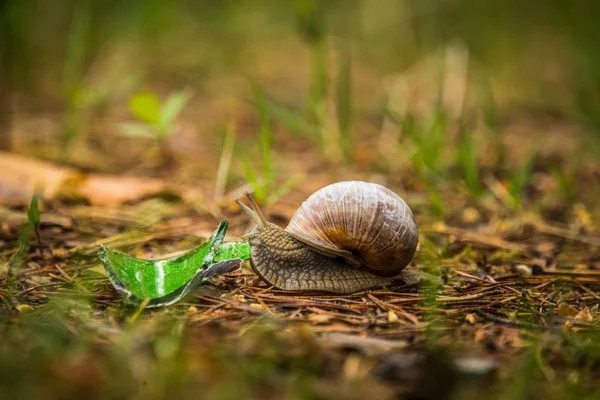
(504, 321)
(475, 237)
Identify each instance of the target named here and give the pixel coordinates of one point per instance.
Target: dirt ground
(516, 314)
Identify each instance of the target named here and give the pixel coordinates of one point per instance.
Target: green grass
(78, 38)
(263, 181)
(519, 178)
(469, 163)
(262, 176)
(156, 121)
(344, 108)
(31, 228)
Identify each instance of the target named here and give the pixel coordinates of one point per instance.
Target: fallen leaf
(566, 310)
(583, 217)
(363, 344)
(392, 317)
(584, 315)
(319, 318)
(473, 365)
(23, 308)
(470, 215)
(21, 177)
(470, 318)
(479, 336)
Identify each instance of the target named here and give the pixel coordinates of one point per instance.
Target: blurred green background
(65, 56)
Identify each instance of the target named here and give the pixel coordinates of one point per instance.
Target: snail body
(346, 237)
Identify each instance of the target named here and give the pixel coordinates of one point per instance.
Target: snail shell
(365, 223)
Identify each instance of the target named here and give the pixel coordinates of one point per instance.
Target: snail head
(255, 215)
(272, 246)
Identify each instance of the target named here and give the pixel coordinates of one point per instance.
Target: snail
(346, 237)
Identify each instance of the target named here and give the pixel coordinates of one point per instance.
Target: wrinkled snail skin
(289, 264)
(346, 237)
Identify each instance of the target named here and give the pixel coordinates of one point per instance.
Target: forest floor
(516, 316)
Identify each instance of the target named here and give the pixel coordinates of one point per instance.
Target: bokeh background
(329, 72)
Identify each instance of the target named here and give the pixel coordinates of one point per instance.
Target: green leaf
(146, 107)
(253, 181)
(284, 188)
(33, 213)
(168, 280)
(137, 129)
(173, 107)
(18, 258)
(292, 120)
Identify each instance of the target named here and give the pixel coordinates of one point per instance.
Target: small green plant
(491, 120)
(467, 160)
(77, 46)
(435, 198)
(344, 100)
(263, 184)
(155, 120)
(519, 179)
(424, 142)
(32, 226)
(566, 178)
(33, 218)
(291, 120)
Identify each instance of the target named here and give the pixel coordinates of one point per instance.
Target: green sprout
(468, 162)
(263, 180)
(155, 120)
(31, 226)
(33, 219)
(520, 178)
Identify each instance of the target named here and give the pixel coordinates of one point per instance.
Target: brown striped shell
(365, 223)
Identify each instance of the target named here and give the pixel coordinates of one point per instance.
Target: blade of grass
(284, 188)
(344, 99)
(266, 139)
(225, 161)
(73, 70)
(467, 160)
(520, 178)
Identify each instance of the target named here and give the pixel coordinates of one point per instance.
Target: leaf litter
(476, 315)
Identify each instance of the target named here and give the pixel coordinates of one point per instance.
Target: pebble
(523, 270)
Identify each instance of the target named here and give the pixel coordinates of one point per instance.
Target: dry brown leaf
(21, 176)
(320, 318)
(364, 344)
(470, 318)
(23, 308)
(584, 315)
(479, 335)
(392, 317)
(566, 310)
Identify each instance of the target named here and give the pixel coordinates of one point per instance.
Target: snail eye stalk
(254, 212)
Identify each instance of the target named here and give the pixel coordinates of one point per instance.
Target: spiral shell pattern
(360, 221)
